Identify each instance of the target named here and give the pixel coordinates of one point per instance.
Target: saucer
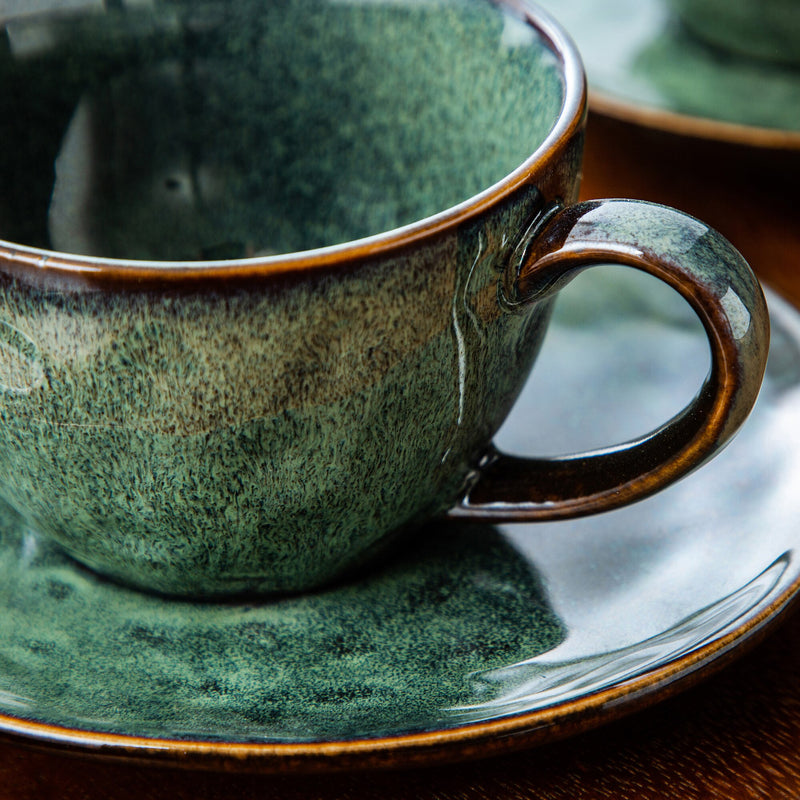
(468, 640)
(644, 67)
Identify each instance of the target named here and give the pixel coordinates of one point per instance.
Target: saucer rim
(425, 748)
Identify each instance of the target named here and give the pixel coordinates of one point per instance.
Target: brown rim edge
(479, 740)
(697, 127)
(88, 270)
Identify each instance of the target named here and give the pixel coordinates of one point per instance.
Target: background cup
(279, 272)
(766, 29)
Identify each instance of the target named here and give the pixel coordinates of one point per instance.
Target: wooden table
(735, 735)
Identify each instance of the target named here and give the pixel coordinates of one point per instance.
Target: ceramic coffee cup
(274, 274)
(765, 29)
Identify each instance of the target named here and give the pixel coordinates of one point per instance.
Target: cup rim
(48, 264)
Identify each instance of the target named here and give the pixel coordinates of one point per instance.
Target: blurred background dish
(645, 67)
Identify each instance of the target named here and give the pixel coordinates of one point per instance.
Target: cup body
(763, 29)
(263, 423)
(262, 435)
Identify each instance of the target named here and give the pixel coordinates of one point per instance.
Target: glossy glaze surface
(260, 128)
(261, 438)
(638, 57)
(519, 628)
(238, 433)
(715, 280)
(266, 424)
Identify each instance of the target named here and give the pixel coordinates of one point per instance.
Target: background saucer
(469, 640)
(644, 67)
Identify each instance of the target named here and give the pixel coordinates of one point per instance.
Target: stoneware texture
(644, 65)
(253, 434)
(250, 433)
(471, 640)
(261, 127)
(205, 391)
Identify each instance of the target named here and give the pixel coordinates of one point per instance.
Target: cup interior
(183, 130)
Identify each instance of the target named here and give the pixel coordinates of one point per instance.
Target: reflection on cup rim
(116, 271)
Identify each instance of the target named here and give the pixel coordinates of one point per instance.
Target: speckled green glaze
(259, 439)
(180, 130)
(637, 52)
(470, 640)
(260, 417)
(390, 652)
(265, 435)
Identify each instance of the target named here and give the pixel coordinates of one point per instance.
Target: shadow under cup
(246, 434)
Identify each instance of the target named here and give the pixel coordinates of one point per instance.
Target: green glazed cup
(273, 275)
(764, 29)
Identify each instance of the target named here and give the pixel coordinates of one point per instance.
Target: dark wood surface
(734, 735)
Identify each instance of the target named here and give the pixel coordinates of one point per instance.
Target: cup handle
(721, 288)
